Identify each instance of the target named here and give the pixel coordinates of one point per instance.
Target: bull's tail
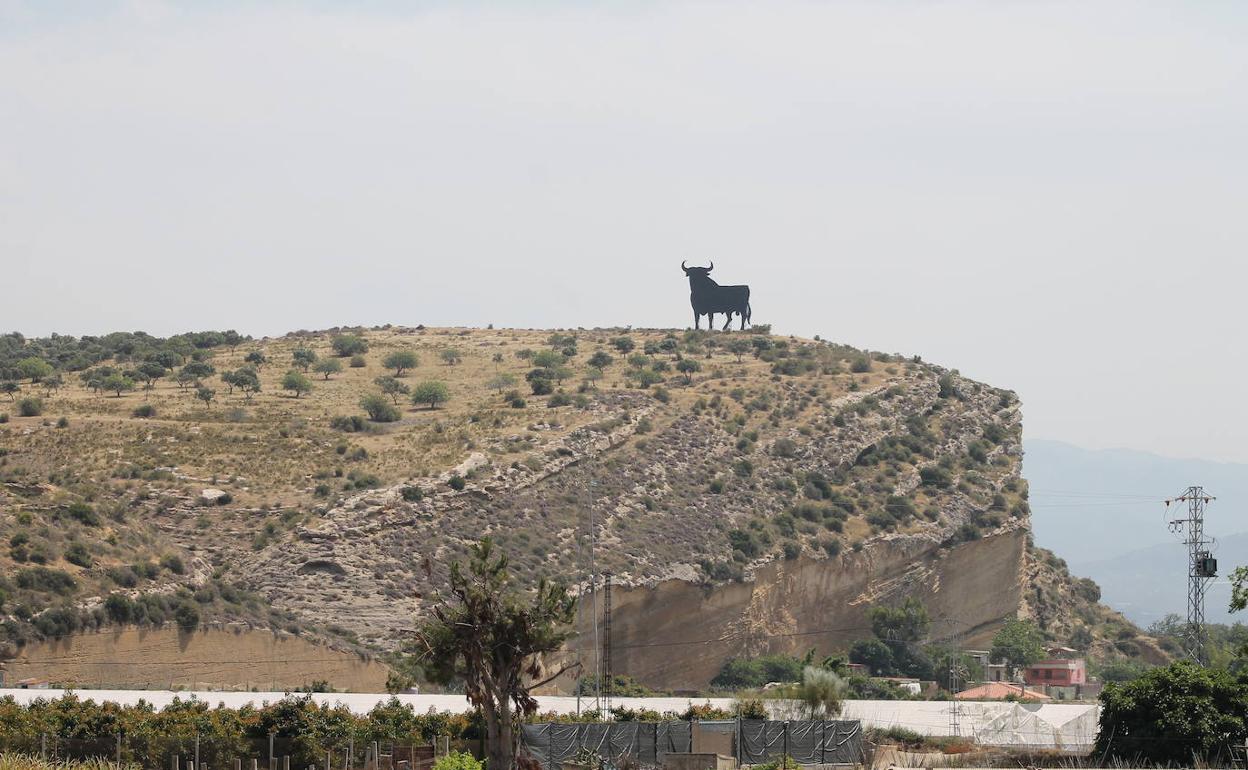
(747, 311)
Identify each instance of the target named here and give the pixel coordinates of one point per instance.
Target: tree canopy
(487, 635)
(1177, 715)
(431, 392)
(1019, 643)
(401, 360)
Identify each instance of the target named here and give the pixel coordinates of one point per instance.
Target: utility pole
(607, 673)
(955, 665)
(1201, 566)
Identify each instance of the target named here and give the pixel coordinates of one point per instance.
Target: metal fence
(646, 743)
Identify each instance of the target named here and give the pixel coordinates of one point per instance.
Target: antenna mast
(1201, 566)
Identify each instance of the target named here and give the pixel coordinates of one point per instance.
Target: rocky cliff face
(742, 517)
(760, 501)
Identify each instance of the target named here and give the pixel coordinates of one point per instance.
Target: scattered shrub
(31, 406)
(144, 411)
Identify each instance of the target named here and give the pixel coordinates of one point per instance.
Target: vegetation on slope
(332, 474)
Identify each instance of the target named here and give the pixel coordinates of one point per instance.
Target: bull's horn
(682, 266)
(712, 267)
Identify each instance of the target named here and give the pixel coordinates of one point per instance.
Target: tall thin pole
(1201, 567)
(607, 672)
(593, 598)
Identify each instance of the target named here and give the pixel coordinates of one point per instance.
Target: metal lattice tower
(1201, 566)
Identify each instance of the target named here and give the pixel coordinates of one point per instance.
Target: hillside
(750, 493)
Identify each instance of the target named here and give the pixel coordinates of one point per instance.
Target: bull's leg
(728, 322)
(743, 322)
(697, 319)
(710, 321)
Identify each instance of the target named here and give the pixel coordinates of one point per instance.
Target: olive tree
(327, 367)
(431, 392)
(400, 360)
(392, 387)
(117, 383)
(296, 383)
(349, 345)
(206, 395)
(303, 358)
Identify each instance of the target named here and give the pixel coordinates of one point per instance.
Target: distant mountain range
(1102, 511)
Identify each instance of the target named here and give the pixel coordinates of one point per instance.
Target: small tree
(206, 395)
(10, 388)
(379, 409)
(327, 367)
(623, 344)
(401, 360)
(1018, 644)
(501, 382)
(52, 383)
(296, 383)
(906, 622)
(600, 360)
(117, 383)
(33, 369)
(431, 392)
(687, 366)
(349, 345)
(451, 356)
(303, 358)
(148, 372)
(198, 370)
(547, 359)
(256, 358)
(490, 637)
(392, 387)
(739, 347)
(247, 380)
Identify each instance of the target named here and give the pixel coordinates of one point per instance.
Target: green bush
(78, 554)
(83, 513)
(46, 579)
(144, 411)
(412, 494)
(31, 406)
(458, 760)
(457, 483)
(379, 408)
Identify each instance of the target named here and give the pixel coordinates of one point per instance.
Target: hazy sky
(1049, 196)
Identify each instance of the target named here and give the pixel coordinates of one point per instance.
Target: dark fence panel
(810, 743)
(552, 744)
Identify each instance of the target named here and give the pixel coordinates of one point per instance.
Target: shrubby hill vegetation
(317, 482)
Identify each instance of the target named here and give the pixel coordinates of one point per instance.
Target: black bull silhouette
(709, 298)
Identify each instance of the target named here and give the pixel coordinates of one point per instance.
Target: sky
(1047, 196)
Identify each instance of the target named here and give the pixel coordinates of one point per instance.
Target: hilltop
(750, 493)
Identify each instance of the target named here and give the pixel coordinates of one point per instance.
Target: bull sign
(709, 298)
